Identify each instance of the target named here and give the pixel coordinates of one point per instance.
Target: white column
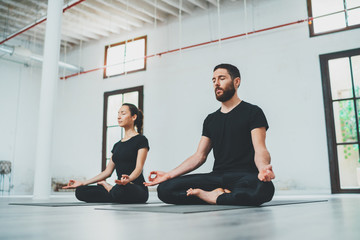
(49, 79)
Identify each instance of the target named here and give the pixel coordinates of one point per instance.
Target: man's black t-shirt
(230, 135)
(125, 155)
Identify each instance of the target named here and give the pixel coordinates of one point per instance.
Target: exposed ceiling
(92, 19)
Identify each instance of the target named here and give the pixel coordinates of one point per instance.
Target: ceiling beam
(183, 5)
(94, 17)
(127, 10)
(101, 17)
(200, 3)
(163, 7)
(146, 9)
(113, 13)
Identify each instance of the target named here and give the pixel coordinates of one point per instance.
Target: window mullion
(346, 14)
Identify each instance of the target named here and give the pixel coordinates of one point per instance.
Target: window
(333, 15)
(125, 57)
(341, 90)
(112, 132)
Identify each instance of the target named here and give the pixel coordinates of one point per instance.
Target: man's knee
(265, 193)
(164, 190)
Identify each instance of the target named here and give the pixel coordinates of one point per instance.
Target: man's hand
(73, 184)
(125, 179)
(158, 178)
(266, 174)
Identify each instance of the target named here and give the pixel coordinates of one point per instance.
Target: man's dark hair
(232, 70)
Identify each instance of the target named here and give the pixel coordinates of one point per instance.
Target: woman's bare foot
(107, 186)
(208, 196)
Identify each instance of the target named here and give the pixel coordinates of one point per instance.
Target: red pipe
(41, 20)
(201, 44)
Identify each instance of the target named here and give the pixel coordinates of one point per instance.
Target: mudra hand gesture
(158, 178)
(266, 174)
(73, 184)
(125, 179)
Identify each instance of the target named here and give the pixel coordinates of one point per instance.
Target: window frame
(311, 26)
(120, 43)
(329, 118)
(140, 89)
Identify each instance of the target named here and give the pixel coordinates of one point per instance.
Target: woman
(128, 158)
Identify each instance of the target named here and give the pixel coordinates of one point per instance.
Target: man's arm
(262, 155)
(190, 164)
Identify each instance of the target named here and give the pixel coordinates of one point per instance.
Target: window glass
(125, 57)
(354, 16)
(322, 7)
(333, 15)
(114, 104)
(329, 23)
(355, 66)
(345, 124)
(348, 162)
(340, 78)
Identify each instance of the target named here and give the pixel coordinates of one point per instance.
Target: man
(236, 132)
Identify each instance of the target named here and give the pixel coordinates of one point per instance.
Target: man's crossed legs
(222, 188)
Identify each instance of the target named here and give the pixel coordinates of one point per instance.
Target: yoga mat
(200, 208)
(58, 204)
(69, 204)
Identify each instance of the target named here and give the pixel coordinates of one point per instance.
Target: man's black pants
(246, 189)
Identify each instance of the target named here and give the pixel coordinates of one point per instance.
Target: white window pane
(354, 16)
(113, 135)
(322, 7)
(125, 57)
(328, 23)
(355, 63)
(352, 3)
(114, 104)
(340, 78)
(135, 53)
(132, 97)
(348, 162)
(345, 122)
(115, 60)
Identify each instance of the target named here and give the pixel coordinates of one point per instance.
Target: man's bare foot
(227, 190)
(208, 196)
(107, 186)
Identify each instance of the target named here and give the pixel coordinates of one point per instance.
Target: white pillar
(49, 79)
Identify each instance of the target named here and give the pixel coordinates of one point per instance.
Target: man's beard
(226, 95)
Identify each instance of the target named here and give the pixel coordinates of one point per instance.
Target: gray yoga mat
(199, 208)
(58, 204)
(69, 204)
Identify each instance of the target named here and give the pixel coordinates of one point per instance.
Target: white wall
(280, 73)
(19, 98)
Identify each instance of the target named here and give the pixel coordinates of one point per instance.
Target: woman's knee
(80, 193)
(127, 194)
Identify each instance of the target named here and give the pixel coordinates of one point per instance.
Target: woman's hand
(125, 179)
(73, 184)
(158, 178)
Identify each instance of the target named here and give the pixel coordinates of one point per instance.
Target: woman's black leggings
(129, 193)
(246, 188)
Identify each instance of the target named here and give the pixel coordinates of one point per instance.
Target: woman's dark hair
(140, 116)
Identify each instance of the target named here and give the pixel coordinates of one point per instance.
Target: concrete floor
(339, 218)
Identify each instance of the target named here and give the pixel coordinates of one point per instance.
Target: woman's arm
(140, 161)
(103, 175)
